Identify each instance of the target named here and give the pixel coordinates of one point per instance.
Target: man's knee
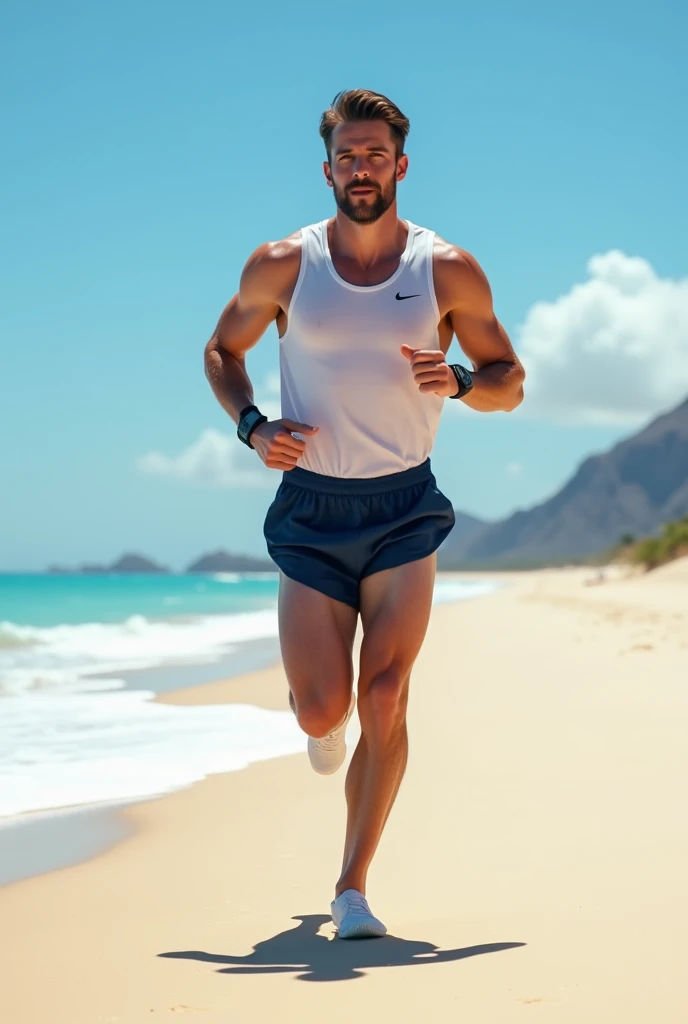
(383, 700)
(320, 714)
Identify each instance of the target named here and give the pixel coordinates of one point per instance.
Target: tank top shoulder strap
(313, 250)
(419, 249)
(422, 242)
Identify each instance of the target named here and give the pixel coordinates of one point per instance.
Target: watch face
(465, 376)
(247, 422)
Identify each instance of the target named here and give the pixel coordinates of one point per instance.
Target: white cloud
(614, 350)
(217, 459)
(268, 397)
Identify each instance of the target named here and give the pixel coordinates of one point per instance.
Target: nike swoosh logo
(398, 296)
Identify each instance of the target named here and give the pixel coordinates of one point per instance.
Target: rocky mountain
(632, 489)
(127, 563)
(223, 561)
(466, 529)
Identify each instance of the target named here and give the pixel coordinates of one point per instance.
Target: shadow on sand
(313, 957)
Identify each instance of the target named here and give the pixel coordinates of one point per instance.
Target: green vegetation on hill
(651, 552)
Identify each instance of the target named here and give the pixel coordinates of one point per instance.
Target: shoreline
(45, 840)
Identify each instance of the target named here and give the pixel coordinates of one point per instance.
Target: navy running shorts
(331, 532)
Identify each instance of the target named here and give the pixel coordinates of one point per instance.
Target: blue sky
(149, 148)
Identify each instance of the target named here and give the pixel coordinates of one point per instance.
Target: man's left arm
(497, 372)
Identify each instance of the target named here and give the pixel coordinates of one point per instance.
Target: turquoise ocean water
(54, 600)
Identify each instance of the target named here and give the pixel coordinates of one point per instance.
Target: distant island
(127, 563)
(216, 561)
(223, 561)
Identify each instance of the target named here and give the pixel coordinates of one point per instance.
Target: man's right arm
(242, 324)
(269, 275)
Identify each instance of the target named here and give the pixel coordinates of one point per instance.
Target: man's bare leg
(316, 639)
(395, 609)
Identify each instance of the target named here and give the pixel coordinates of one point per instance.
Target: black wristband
(249, 418)
(463, 379)
(248, 409)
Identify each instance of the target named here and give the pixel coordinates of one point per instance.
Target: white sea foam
(237, 577)
(89, 748)
(460, 590)
(36, 658)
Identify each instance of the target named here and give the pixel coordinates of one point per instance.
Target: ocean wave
(11, 635)
(121, 745)
(241, 577)
(39, 658)
(461, 590)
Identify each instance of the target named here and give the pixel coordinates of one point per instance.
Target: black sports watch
(463, 378)
(249, 419)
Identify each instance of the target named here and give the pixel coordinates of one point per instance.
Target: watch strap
(459, 372)
(245, 434)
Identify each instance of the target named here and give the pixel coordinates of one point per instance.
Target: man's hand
(276, 444)
(430, 371)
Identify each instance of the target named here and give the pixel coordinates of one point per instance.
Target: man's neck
(368, 244)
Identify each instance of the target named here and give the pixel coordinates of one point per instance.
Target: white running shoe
(353, 919)
(327, 753)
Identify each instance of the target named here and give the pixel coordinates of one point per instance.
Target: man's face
(364, 169)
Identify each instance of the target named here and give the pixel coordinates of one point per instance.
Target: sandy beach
(533, 866)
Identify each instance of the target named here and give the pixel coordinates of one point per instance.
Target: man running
(366, 306)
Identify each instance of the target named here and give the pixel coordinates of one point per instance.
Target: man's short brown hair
(364, 105)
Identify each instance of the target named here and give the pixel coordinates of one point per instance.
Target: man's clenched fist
(276, 444)
(430, 371)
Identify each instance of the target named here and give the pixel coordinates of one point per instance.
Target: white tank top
(341, 367)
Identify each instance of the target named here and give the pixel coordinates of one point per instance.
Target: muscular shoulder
(272, 269)
(459, 279)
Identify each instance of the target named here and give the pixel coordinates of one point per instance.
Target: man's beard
(365, 212)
